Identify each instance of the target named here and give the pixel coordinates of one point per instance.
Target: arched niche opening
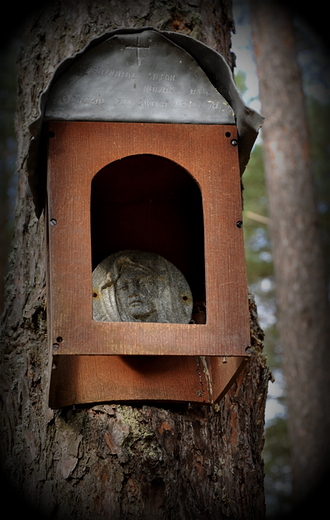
(150, 203)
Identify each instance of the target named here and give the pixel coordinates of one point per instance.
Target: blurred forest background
(314, 64)
(312, 56)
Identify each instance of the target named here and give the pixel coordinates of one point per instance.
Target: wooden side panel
(77, 152)
(223, 372)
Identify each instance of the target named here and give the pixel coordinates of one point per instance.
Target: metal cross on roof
(139, 47)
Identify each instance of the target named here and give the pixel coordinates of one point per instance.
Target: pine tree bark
(110, 460)
(300, 272)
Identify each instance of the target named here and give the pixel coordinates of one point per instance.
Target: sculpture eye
(145, 282)
(123, 286)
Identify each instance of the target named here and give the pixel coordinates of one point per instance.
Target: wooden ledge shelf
(91, 379)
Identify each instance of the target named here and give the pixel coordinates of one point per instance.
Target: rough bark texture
(110, 460)
(301, 282)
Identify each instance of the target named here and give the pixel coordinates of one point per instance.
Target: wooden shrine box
(143, 154)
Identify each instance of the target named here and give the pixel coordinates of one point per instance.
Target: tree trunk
(110, 460)
(303, 312)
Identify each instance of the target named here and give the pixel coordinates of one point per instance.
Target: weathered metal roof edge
(211, 62)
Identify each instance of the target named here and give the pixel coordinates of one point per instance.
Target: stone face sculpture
(140, 286)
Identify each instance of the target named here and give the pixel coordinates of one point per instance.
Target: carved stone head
(140, 286)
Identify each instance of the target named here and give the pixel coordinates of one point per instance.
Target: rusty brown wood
(222, 372)
(77, 152)
(91, 379)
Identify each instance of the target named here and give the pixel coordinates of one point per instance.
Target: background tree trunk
(110, 460)
(300, 270)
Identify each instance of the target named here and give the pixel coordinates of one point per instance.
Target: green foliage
(240, 80)
(319, 124)
(277, 469)
(257, 241)
(261, 280)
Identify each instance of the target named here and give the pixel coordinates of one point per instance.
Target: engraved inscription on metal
(140, 77)
(140, 286)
